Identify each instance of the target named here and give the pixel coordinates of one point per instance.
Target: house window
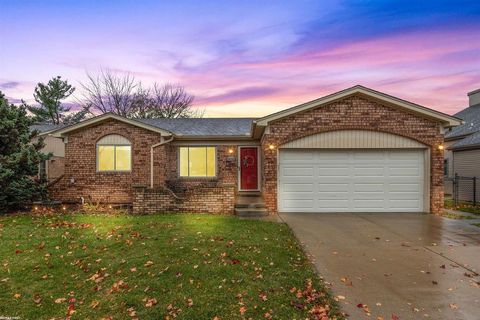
(114, 153)
(445, 167)
(197, 162)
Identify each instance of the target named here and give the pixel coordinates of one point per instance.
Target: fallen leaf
(94, 304)
(17, 296)
(242, 310)
(148, 264)
(60, 300)
(453, 306)
(36, 298)
(151, 302)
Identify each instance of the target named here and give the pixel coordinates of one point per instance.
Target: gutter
(151, 157)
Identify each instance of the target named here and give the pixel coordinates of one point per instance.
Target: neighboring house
(462, 155)
(357, 150)
(55, 166)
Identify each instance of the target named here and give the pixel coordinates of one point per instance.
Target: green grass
(194, 266)
(456, 216)
(476, 224)
(462, 206)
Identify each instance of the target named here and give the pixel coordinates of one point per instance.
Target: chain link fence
(463, 189)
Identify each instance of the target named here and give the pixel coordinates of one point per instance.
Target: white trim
(114, 158)
(61, 132)
(239, 175)
(430, 113)
(197, 177)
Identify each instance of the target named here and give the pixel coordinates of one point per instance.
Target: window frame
(197, 177)
(114, 158)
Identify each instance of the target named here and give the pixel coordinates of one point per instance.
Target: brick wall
(355, 112)
(218, 199)
(202, 195)
(82, 180)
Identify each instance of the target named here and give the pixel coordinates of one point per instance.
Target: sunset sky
(249, 58)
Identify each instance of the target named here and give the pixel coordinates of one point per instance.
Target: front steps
(250, 204)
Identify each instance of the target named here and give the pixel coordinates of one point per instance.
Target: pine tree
(19, 158)
(49, 96)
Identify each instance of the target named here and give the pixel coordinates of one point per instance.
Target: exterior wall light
(271, 147)
(441, 147)
(230, 151)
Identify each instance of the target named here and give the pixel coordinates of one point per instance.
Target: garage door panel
(399, 187)
(368, 171)
(369, 204)
(334, 205)
(332, 171)
(298, 171)
(298, 187)
(332, 196)
(368, 187)
(351, 180)
(298, 205)
(339, 187)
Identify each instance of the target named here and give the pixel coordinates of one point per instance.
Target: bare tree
(109, 92)
(166, 101)
(125, 96)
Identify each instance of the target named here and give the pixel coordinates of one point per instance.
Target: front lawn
(155, 267)
(462, 206)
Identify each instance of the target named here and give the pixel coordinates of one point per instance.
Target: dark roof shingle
(471, 116)
(220, 127)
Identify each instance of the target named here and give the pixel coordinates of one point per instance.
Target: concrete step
(249, 194)
(259, 204)
(251, 212)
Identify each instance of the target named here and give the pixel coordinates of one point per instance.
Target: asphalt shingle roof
(471, 116)
(44, 127)
(203, 126)
(470, 129)
(468, 141)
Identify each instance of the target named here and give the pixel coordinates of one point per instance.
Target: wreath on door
(248, 161)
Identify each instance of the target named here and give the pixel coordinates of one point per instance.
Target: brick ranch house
(357, 150)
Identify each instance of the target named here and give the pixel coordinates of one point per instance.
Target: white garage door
(323, 180)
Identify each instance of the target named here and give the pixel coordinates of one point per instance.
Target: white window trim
(114, 158)
(197, 177)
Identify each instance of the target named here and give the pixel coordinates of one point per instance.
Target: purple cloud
(236, 95)
(9, 85)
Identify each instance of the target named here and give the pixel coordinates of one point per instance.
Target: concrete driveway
(414, 266)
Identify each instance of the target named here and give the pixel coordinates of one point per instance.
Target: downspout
(151, 157)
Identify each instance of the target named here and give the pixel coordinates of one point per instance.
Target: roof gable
(408, 106)
(104, 117)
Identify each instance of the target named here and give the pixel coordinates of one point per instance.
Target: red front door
(248, 168)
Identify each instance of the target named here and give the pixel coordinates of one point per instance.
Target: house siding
(466, 164)
(352, 113)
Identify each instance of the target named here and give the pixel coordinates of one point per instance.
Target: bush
(19, 159)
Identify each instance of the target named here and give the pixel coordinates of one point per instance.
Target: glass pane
(198, 162)
(123, 158)
(106, 158)
(183, 162)
(211, 161)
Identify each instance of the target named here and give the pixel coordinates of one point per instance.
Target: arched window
(114, 153)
